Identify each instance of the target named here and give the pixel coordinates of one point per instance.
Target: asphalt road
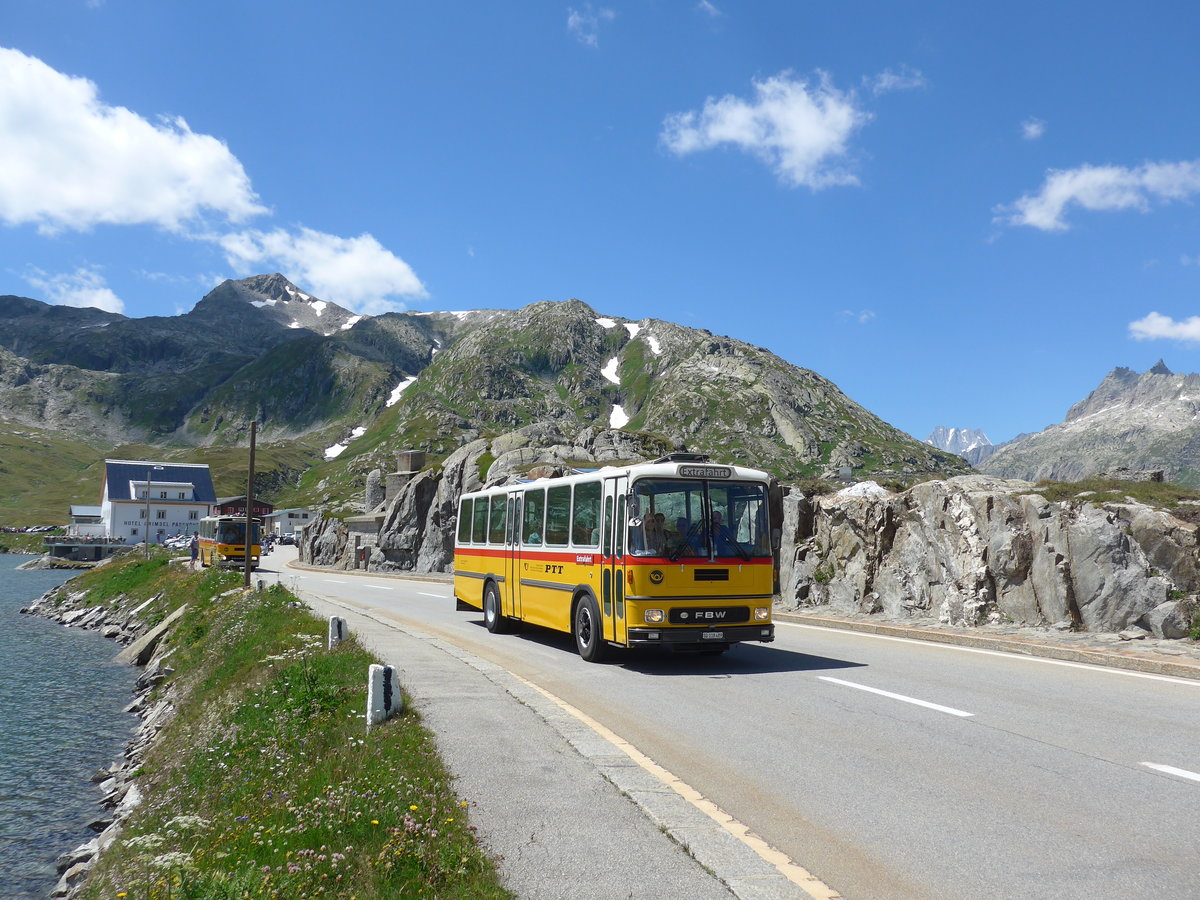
(887, 768)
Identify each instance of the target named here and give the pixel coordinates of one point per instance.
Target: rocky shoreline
(122, 621)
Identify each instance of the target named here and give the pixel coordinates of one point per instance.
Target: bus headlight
(762, 613)
(653, 616)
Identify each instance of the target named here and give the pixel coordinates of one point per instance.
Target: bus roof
(672, 469)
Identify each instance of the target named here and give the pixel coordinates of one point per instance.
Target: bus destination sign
(705, 472)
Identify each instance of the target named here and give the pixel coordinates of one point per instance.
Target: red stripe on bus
(556, 555)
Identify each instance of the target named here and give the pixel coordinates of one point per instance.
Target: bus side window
(479, 521)
(585, 515)
(514, 511)
(531, 519)
(464, 521)
(558, 515)
(497, 520)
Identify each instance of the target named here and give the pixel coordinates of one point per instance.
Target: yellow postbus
(223, 541)
(672, 553)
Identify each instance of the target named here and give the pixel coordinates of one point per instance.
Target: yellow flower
(374, 821)
(413, 807)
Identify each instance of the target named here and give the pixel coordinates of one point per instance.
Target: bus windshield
(702, 518)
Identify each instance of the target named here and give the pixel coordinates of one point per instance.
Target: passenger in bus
(722, 539)
(685, 538)
(654, 526)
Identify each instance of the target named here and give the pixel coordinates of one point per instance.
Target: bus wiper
(684, 541)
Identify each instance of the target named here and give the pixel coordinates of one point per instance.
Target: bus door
(612, 575)
(512, 558)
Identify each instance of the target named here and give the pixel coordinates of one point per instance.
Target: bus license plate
(712, 635)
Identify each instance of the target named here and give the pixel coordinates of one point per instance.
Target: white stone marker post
(384, 699)
(338, 631)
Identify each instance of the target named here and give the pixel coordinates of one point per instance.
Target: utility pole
(250, 506)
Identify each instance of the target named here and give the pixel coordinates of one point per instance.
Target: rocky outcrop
(974, 550)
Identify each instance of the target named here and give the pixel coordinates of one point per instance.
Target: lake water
(61, 697)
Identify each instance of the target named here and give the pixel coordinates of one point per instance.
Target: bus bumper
(714, 635)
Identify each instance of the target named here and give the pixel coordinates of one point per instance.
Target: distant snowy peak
(957, 440)
(292, 307)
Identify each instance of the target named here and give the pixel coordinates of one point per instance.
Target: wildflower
(374, 821)
(413, 807)
(171, 861)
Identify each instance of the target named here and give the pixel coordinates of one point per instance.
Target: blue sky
(961, 214)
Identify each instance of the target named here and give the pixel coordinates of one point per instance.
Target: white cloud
(862, 317)
(1032, 129)
(83, 287)
(797, 129)
(585, 23)
(355, 272)
(887, 81)
(709, 9)
(1156, 326)
(1096, 188)
(1186, 260)
(69, 161)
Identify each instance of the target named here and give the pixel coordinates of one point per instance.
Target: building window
(193, 514)
(162, 495)
(141, 514)
(160, 514)
(181, 496)
(133, 532)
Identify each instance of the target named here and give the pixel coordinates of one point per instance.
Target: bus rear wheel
(493, 618)
(588, 629)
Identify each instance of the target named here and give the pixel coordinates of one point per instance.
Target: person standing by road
(194, 547)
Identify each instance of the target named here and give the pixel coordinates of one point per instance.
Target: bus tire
(588, 629)
(493, 618)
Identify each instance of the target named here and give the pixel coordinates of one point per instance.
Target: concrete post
(384, 699)
(337, 631)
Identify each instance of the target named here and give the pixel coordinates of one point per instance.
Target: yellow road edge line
(786, 867)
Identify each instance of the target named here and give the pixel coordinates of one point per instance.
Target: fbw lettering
(711, 614)
(554, 570)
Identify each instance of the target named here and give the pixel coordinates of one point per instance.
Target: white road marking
(1004, 654)
(378, 587)
(331, 581)
(1171, 770)
(901, 697)
(439, 596)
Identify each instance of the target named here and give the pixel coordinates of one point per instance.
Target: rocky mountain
(1147, 421)
(258, 347)
(969, 443)
(361, 388)
(565, 365)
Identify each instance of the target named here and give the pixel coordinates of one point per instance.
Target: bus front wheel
(589, 634)
(493, 618)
